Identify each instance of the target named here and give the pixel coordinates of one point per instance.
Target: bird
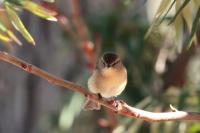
(108, 79)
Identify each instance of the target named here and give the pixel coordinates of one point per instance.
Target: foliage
(11, 6)
(139, 45)
(186, 12)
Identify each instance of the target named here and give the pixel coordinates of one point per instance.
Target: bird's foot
(117, 104)
(99, 96)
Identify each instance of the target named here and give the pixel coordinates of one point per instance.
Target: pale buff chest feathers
(109, 82)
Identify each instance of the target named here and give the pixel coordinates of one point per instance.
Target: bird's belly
(110, 86)
(113, 90)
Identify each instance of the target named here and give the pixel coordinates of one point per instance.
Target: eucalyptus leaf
(39, 10)
(179, 10)
(8, 34)
(2, 27)
(162, 8)
(14, 38)
(18, 23)
(197, 2)
(170, 7)
(16, 2)
(194, 27)
(4, 37)
(178, 25)
(70, 111)
(187, 14)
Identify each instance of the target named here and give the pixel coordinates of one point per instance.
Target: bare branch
(87, 45)
(121, 108)
(81, 28)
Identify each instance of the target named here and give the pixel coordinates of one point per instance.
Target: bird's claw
(117, 104)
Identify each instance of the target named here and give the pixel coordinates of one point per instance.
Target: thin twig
(78, 22)
(122, 107)
(83, 35)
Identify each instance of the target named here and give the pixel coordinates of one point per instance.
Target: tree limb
(121, 108)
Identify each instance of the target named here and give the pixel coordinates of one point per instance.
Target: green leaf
(187, 14)
(69, 112)
(194, 128)
(2, 27)
(170, 7)
(9, 34)
(39, 10)
(18, 23)
(194, 27)
(178, 26)
(162, 7)
(4, 38)
(14, 38)
(16, 2)
(179, 10)
(197, 2)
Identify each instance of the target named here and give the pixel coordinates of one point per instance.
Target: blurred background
(162, 69)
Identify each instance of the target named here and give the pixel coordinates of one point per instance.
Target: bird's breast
(109, 82)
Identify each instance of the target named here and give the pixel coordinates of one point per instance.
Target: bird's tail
(90, 105)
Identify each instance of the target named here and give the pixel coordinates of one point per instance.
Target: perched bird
(108, 79)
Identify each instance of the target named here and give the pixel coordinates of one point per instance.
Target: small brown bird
(108, 79)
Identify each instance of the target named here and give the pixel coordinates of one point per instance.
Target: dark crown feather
(110, 58)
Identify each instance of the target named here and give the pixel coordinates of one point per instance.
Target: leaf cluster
(9, 10)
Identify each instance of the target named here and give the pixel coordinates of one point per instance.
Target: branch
(81, 28)
(121, 108)
(87, 46)
(82, 33)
